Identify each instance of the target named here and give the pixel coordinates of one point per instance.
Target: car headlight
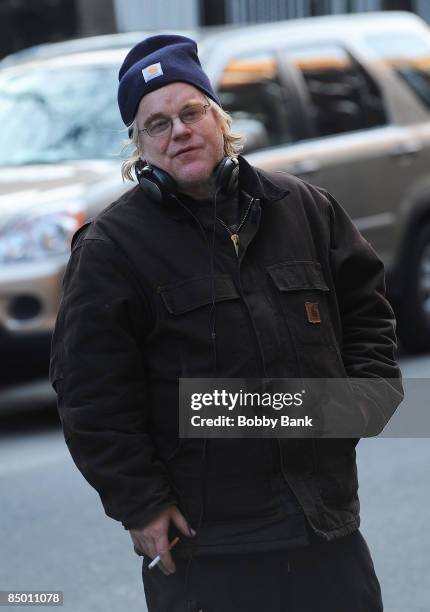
(42, 235)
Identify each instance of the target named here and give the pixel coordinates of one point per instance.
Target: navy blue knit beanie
(154, 63)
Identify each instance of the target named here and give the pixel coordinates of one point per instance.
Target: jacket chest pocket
(197, 292)
(196, 309)
(302, 294)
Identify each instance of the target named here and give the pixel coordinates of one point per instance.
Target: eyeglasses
(161, 124)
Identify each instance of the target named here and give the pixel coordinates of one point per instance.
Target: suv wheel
(414, 314)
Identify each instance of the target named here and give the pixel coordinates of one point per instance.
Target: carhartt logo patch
(313, 312)
(152, 71)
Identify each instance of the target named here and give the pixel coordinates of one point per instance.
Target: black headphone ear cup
(156, 183)
(227, 175)
(151, 189)
(164, 180)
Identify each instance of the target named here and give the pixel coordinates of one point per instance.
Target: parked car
(342, 101)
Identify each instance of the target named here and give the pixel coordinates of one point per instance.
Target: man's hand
(153, 538)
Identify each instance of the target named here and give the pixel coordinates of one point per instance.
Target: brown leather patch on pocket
(313, 312)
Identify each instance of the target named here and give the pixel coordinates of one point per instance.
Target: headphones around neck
(157, 183)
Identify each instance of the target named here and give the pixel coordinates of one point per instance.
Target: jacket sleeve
(98, 373)
(368, 322)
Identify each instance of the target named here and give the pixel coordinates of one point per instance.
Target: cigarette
(157, 559)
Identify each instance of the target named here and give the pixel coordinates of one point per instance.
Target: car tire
(414, 312)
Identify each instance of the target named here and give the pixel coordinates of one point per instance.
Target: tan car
(343, 102)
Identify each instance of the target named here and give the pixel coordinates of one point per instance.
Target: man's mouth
(185, 150)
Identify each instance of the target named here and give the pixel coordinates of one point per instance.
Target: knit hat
(154, 63)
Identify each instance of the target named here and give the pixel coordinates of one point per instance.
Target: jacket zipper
(235, 239)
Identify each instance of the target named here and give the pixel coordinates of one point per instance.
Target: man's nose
(179, 128)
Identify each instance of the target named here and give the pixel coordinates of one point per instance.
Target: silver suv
(343, 102)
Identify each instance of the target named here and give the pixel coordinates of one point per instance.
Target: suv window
(342, 97)
(409, 56)
(55, 114)
(251, 92)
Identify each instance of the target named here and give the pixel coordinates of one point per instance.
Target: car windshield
(59, 113)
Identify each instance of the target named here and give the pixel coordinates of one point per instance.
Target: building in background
(24, 23)
(28, 22)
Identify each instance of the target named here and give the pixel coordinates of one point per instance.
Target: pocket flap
(295, 275)
(196, 292)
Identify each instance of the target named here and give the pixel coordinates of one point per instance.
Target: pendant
(235, 239)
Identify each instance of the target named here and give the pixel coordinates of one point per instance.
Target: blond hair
(233, 143)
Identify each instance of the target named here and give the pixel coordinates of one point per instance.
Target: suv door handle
(407, 148)
(307, 166)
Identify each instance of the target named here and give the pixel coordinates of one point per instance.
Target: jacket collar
(257, 183)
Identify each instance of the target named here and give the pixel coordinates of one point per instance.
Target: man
(212, 268)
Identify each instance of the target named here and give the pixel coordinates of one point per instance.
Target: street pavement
(54, 534)
(53, 531)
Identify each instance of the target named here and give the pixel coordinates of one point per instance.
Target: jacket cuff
(141, 519)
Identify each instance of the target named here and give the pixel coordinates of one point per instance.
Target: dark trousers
(335, 576)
